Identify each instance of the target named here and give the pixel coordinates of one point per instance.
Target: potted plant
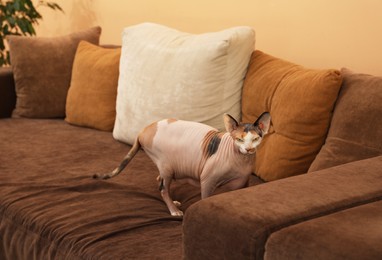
(18, 17)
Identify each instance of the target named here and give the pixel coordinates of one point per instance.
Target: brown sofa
(51, 208)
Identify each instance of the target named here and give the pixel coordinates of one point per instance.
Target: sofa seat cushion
(50, 207)
(354, 233)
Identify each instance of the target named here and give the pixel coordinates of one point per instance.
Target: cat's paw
(177, 213)
(101, 176)
(177, 203)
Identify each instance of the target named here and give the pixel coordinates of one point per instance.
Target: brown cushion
(300, 101)
(93, 89)
(356, 128)
(42, 70)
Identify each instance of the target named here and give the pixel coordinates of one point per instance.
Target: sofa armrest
(236, 225)
(7, 92)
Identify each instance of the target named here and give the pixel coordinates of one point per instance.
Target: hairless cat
(199, 154)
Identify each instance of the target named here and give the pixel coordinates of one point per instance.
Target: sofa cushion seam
(268, 230)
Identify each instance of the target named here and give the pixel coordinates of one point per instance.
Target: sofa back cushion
(93, 88)
(300, 101)
(42, 70)
(7, 92)
(356, 129)
(165, 73)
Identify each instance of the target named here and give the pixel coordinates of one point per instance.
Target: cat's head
(247, 136)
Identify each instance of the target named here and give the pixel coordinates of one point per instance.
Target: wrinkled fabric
(51, 208)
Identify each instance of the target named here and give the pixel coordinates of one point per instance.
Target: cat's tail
(133, 151)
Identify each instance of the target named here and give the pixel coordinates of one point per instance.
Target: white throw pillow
(165, 73)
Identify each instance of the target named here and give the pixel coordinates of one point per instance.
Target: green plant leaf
(18, 17)
(11, 21)
(23, 27)
(6, 29)
(31, 29)
(54, 6)
(16, 5)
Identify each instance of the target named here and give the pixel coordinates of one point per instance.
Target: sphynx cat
(199, 154)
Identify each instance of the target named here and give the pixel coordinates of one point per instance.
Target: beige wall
(316, 34)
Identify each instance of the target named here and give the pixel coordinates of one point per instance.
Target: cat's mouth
(248, 151)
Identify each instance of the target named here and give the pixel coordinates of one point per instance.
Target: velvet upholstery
(93, 87)
(300, 102)
(52, 208)
(356, 129)
(42, 70)
(341, 235)
(237, 224)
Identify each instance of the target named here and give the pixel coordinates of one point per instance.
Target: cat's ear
(263, 122)
(230, 123)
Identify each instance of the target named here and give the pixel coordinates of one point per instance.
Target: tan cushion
(42, 70)
(170, 74)
(93, 88)
(300, 101)
(356, 129)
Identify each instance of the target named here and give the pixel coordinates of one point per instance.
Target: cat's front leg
(207, 189)
(208, 182)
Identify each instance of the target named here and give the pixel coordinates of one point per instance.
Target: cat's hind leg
(160, 180)
(165, 183)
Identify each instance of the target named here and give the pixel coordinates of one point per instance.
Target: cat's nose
(250, 150)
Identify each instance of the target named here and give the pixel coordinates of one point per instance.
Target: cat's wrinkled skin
(199, 154)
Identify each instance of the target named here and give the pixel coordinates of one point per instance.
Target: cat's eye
(256, 139)
(240, 140)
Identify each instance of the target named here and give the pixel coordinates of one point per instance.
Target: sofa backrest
(7, 92)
